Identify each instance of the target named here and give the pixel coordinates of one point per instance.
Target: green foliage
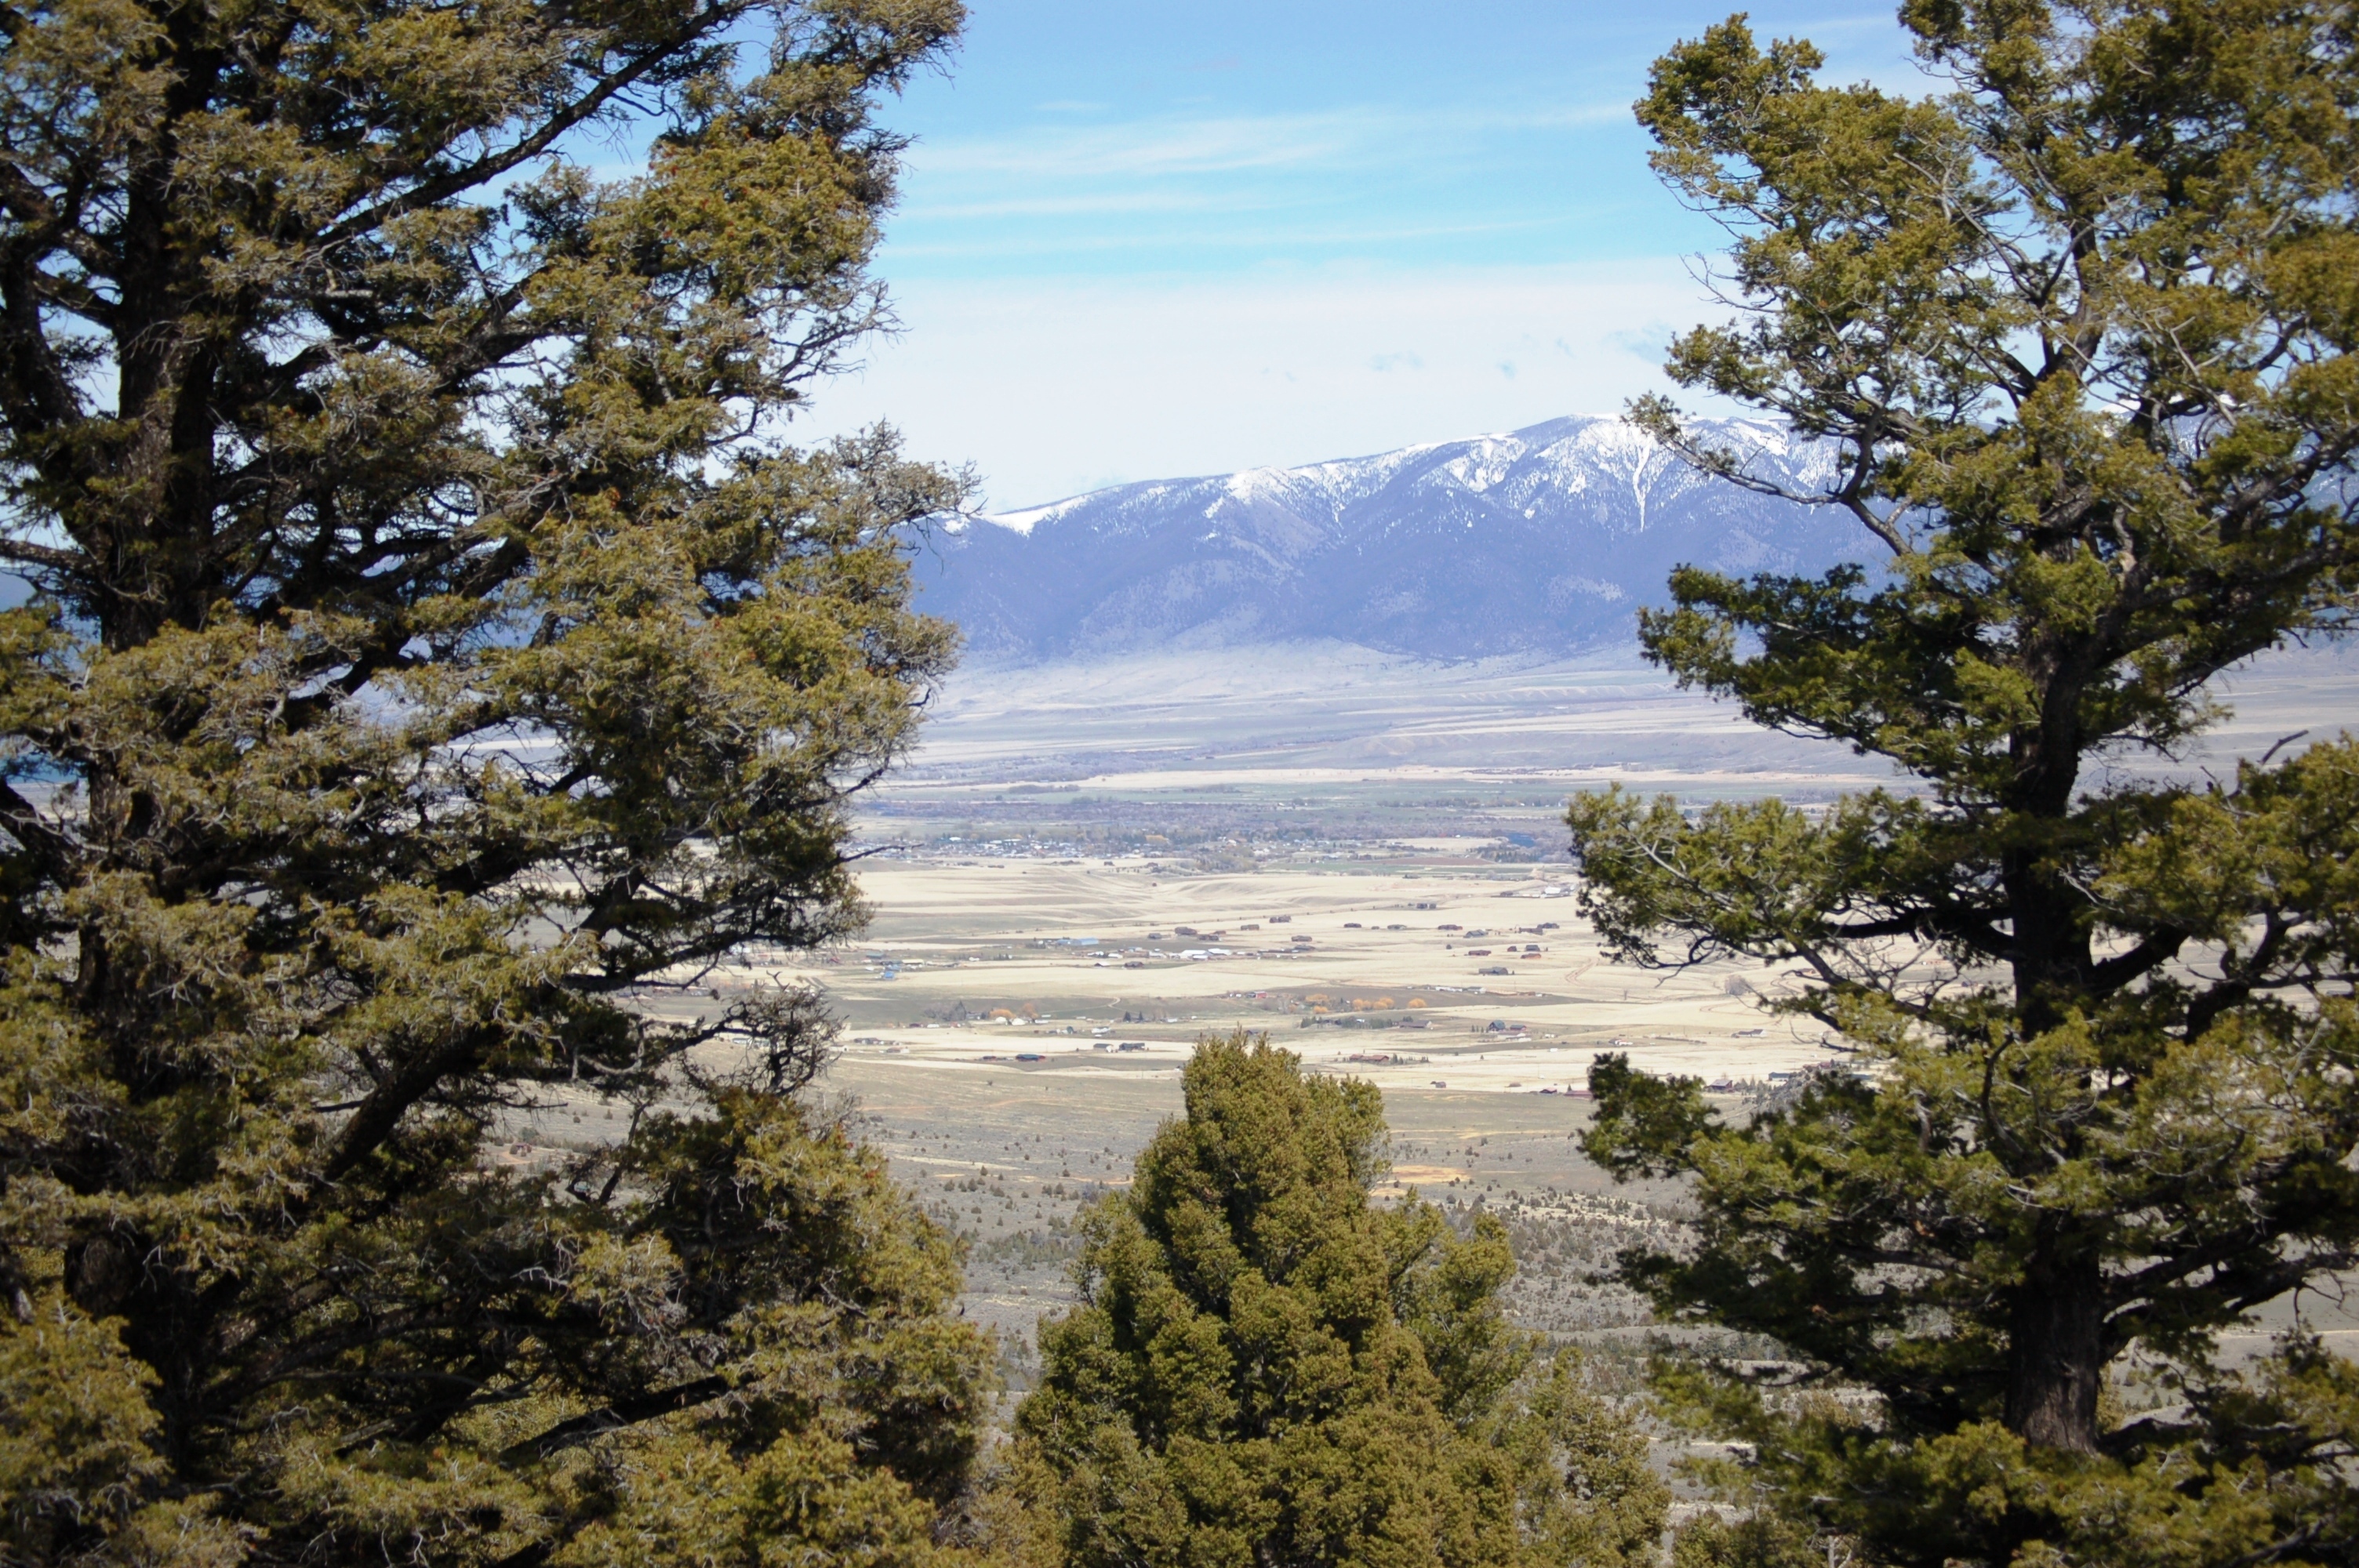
(1265, 1367)
(1758, 1540)
(1644, 1125)
(2079, 332)
(435, 645)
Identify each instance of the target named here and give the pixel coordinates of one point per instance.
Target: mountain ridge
(1545, 539)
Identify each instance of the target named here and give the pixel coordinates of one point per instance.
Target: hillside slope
(1546, 539)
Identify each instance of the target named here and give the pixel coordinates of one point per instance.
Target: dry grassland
(1015, 1030)
(1342, 849)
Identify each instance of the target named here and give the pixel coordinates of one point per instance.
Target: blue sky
(1140, 240)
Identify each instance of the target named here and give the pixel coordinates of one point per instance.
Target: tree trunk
(2056, 1356)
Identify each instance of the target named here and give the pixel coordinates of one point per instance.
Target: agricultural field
(1085, 870)
(1014, 1030)
(1013, 1026)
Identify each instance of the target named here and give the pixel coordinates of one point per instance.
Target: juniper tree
(2078, 330)
(1268, 1368)
(436, 650)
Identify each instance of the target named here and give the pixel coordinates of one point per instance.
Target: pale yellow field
(969, 935)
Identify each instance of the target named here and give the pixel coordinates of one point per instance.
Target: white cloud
(1228, 143)
(1068, 206)
(1153, 147)
(1260, 230)
(1054, 387)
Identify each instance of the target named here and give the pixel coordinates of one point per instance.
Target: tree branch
(614, 1417)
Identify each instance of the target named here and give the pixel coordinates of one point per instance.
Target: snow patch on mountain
(1542, 540)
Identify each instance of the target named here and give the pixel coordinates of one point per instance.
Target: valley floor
(1087, 867)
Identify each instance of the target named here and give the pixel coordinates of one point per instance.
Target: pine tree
(2078, 334)
(438, 661)
(1266, 1367)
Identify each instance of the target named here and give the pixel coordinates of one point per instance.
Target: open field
(1473, 977)
(1008, 1128)
(1088, 867)
(1316, 717)
(1014, 1030)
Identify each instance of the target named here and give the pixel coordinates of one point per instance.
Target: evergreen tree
(1266, 1368)
(2079, 335)
(435, 648)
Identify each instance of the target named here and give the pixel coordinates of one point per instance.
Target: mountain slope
(1543, 540)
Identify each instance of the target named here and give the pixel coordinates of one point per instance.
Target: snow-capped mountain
(1542, 540)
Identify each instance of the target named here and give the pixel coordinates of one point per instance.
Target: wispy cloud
(1220, 144)
(1379, 228)
(1209, 145)
(1257, 237)
(1088, 204)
